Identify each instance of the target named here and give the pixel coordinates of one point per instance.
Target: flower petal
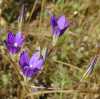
(34, 58)
(38, 64)
(19, 39)
(62, 22)
(29, 72)
(53, 21)
(13, 49)
(24, 59)
(57, 32)
(10, 38)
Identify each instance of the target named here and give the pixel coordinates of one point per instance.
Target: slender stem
(52, 48)
(42, 8)
(14, 65)
(34, 6)
(22, 93)
(20, 20)
(61, 91)
(61, 94)
(69, 65)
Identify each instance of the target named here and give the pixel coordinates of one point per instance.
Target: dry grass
(67, 63)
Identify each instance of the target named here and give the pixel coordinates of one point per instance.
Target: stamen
(31, 66)
(15, 44)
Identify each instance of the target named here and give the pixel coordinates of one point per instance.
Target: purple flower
(14, 42)
(31, 66)
(59, 26)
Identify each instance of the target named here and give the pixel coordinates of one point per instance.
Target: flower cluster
(59, 26)
(14, 43)
(31, 66)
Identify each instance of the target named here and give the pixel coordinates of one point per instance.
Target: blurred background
(68, 62)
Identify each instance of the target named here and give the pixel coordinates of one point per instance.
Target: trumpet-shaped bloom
(14, 42)
(59, 26)
(31, 66)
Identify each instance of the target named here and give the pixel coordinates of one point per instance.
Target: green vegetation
(68, 62)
